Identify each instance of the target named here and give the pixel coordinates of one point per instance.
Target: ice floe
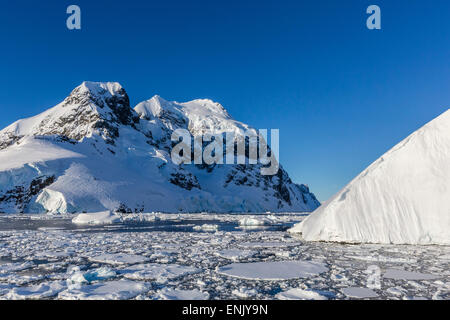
(111, 290)
(39, 291)
(161, 273)
(300, 294)
(118, 258)
(278, 270)
(5, 288)
(408, 275)
(16, 266)
(235, 254)
(356, 292)
(178, 294)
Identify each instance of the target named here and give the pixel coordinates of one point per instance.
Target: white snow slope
(93, 152)
(402, 198)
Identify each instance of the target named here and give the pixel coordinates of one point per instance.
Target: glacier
(402, 198)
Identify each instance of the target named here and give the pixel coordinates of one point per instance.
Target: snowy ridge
(93, 152)
(402, 198)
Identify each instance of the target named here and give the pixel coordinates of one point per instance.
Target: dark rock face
(21, 195)
(281, 185)
(40, 183)
(116, 111)
(184, 180)
(9, 140)
(119, 103)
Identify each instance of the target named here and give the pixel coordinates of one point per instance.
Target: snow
(152, 108)
(279, 270)
(177, 294)
(356, 292)
(402, 198)
(300, 294)
(98, 88)
(31, 151)
(96, 218)
(111, 290)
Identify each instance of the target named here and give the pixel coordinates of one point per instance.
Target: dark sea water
(171, 225)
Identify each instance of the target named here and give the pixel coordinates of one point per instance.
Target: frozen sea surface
(163, 256)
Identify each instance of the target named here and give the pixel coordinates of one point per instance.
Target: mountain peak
(91, 107)
(105, 95)
(100, 88)
(99, 93)
(154, 107)
(205, 107)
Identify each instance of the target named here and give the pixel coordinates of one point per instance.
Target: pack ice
(402, 198)
(94, 153)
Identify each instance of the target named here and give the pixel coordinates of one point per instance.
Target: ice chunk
(244, 293)
(96, 218)
(207, 227)
(252, 221)
(78, 277)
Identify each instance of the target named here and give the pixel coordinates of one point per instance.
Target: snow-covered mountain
(402, 198)
(94, 152)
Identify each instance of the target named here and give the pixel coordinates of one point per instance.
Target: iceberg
(402, 198)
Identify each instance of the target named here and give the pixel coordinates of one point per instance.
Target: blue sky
(340, 94)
